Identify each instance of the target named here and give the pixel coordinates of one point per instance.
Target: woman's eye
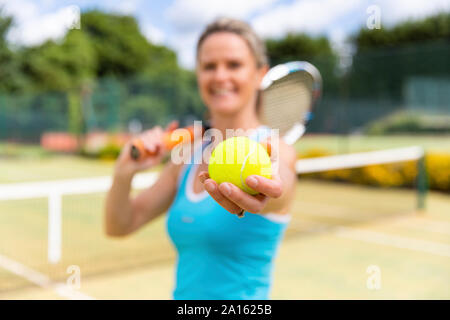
(209, 66)
(234, 65)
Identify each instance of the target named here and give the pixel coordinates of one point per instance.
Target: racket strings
(287, 101)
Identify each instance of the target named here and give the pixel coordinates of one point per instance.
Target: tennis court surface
(344, 241)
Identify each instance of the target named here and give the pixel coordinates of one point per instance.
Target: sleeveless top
(219, 255)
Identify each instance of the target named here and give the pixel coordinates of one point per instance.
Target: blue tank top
(221, 256)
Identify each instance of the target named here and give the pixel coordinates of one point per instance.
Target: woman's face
(227, 74)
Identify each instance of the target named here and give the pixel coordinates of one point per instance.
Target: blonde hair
(241, 29)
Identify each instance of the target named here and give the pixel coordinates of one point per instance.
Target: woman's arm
(124, 214)
(286, 182)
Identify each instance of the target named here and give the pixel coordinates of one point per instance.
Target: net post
(54, 227)
(422, 184)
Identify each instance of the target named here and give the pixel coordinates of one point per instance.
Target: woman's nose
(221, 74)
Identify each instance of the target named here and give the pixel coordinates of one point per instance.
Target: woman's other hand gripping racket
(151, 143)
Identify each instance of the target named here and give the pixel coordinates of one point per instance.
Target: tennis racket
(290, 91)
(138, 150)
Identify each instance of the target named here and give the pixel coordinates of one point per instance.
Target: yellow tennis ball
(236, 158)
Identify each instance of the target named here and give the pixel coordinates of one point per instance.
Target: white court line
(341, 212)
(41, 280)
(435, 248)
(426, 225)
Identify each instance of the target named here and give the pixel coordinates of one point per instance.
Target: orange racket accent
(268, 147)
(169, 142)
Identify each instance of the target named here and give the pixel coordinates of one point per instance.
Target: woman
(219, 255)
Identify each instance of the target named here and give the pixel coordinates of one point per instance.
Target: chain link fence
(413, 79)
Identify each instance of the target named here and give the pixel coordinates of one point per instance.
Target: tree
(385, 58)
(11, 77)
(300, 46)
(96, 76)
(149, 110)
(61, 66)
(119, 46)
(107, 45)
(433, 28)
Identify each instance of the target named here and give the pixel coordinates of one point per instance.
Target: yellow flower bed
(438, 169)
(401, 174)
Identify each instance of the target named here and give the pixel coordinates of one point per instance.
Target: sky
(178, 23)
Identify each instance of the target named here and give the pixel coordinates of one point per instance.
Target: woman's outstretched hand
(235, 200)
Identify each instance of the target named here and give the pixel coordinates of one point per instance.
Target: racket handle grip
(138, 150)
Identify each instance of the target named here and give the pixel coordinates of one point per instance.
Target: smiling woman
(242, 51)
(219, 255)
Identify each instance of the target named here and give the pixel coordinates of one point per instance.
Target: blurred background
(79, 78)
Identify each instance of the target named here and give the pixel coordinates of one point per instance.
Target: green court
(336, 233)
(313, 263)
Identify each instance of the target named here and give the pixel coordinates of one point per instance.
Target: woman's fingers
(250, 203)
(172, 126)
(203, 175)
(213, 189)
(272, 188)
(234, 199)
(152, 139)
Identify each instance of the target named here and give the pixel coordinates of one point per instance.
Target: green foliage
(318, 51)
(174, 92)
(60, 66)
(412, 31)
(148, 109)
(98, 77)
(106, 45)
(410, 123)
(120, 48)
(189, 101)
(5, 53)
(297, 47)
(74, 115)
(5, 25)
(386, 58)
(107, 73)
(11, 77)
(110, 151)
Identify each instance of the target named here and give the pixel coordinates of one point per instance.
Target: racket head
(289, 91)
